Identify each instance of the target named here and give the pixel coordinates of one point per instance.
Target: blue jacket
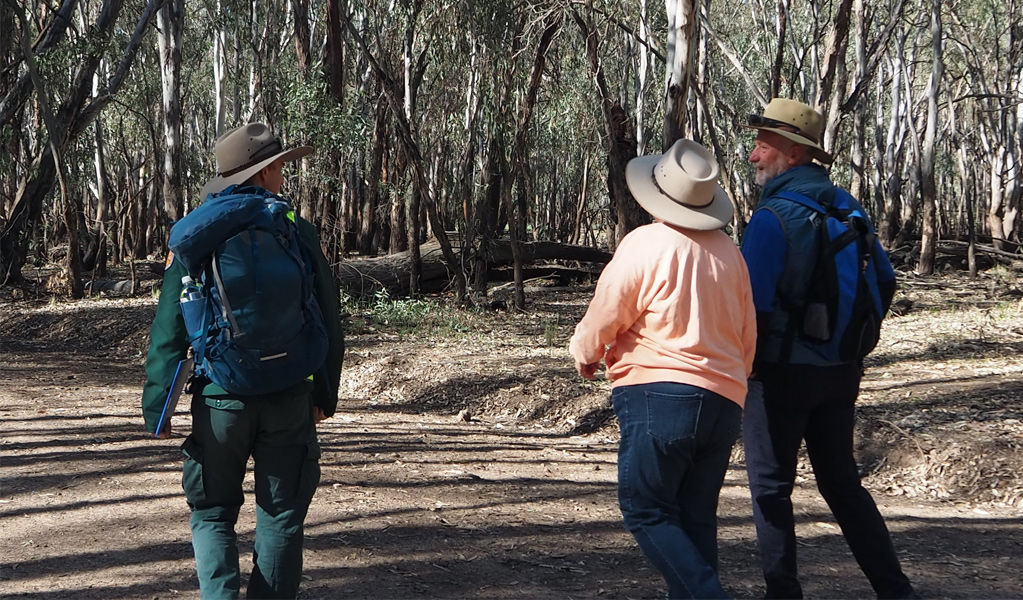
(779, 246)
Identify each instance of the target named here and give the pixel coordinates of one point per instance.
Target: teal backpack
(253, 321)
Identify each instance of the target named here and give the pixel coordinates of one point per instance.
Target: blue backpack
(254, 324)
(843, 310)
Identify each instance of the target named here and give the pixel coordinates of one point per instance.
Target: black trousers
(790, 404)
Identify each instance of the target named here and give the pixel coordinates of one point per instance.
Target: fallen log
(366, 277)
(953, 254)
(552, 273)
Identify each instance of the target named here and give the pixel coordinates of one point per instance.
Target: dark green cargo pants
(280, 435)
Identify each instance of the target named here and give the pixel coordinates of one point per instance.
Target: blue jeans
(676, 440)
(789, 404)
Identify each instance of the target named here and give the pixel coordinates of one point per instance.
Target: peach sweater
(673, 305)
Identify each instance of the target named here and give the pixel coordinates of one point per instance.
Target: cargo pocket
(673, 417)
(191, 473)
(310, 477)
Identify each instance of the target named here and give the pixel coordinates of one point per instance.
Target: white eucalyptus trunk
(928, 189)
(680, 48)
(170, 24)
(219, 61)
(642, 64)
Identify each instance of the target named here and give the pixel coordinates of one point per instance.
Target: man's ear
(260, 176)
(797, 155)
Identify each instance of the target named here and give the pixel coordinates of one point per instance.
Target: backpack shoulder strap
(786, 303)
(802, 199)
(777, 215)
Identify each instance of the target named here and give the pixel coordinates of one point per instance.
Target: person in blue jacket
(797, 393)
(277, 430)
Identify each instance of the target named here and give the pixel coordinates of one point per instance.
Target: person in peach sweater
(672, 318)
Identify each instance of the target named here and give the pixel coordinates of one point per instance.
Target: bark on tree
(681, 50)
(170, 23)
(520, 157)
(889, 194)
(97, 262)
(491, 212)
(781, 30)
(967, 187)
(927, 159)
(334, 58)
(373, 198)
(486, 214)
(857, 155)
(621, 140)
(641, 66)
(834, 52)
(302, 41)
(220, 97)
(834, 74)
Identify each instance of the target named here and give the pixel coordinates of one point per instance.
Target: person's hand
(319, 414)
(588, 371)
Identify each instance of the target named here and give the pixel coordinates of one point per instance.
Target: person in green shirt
(277, 430)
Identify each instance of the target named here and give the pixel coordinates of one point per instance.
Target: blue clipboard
(181, 375)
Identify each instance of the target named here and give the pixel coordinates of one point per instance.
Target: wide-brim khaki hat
(794, 121)
(680, 187)
(241, 152)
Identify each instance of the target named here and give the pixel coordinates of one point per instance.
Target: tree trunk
(98, 264)
(928, 189)
(519, 159)
(834, 75)
(399, 224)
(621, 141)
(220, 96)
(681, 46)
(642, 67)
(966, 179)
(374, 178)
(781, 30)
(170, 22)
(334, 59)
(834, 52)
(485, 215)
(302, 43)
(859, 185)
(891, 198)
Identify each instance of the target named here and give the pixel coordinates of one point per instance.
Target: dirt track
(519, 502)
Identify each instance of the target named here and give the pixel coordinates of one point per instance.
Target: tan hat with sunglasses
(795, 121)
(241, 153)
(680, 187)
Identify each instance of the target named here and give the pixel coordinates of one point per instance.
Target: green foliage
(550, 331)
(407, 316)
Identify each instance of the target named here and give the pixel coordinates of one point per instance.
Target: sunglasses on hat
(761, 121)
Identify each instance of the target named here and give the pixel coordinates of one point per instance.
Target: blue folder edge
(181, 375)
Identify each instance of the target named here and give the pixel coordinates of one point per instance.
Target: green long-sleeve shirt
(168, 340)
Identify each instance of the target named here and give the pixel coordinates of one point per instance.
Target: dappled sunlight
(476, 463)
